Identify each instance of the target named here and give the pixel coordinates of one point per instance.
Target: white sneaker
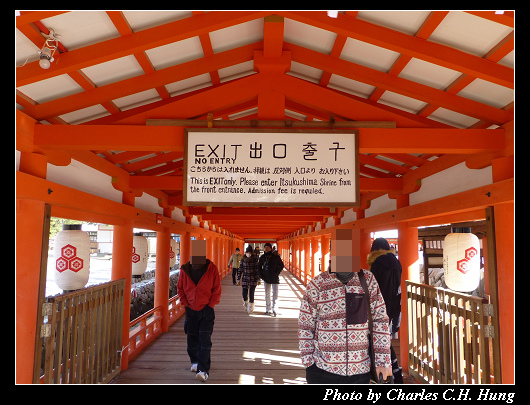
(251, 308)
(245, 305)
(194, 367)
(202, 376)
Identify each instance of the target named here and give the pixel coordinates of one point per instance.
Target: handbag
(374, 378)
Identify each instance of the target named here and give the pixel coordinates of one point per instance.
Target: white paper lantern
(172, 253)
(139, 255)
(461, 261)
(72, 258)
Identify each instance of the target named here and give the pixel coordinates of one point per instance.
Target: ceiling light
(333, 14)
(48, 49)
(499, 12)
(45, 57)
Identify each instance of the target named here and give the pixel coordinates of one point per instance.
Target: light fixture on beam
(48, 49)
(333, 14)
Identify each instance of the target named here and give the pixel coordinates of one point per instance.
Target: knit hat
(249, 249)
(268, 244)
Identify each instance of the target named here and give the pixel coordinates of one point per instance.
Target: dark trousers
(396, 370)
(249, 292)
(234, 274)
(315, 375)
(198, 326)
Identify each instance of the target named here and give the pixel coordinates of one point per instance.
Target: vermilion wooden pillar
(315, 254)
(209, 248)
(324, 245)
(122, 244)
(29, 233)
(162, 272)
(215, 252)
(307, 260)
(185, 247)
(224, 259)
(298, 258)
(503, 169)
(408, 256)
(365, 242)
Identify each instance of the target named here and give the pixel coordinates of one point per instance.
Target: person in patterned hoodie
(333, 321)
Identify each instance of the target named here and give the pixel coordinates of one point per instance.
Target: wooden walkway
(255, 349)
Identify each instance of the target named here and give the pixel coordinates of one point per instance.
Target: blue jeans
(198, 326)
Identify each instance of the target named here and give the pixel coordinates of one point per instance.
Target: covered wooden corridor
(365, 120)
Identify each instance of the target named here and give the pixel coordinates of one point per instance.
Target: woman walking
(248, 278)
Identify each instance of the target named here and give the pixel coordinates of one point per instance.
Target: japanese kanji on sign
(265, 167)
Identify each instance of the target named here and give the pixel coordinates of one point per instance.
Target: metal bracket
(489, 331)
(488, 309)
(47, 309)
(45, 330)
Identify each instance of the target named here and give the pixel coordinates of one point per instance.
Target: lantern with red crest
(72, 258)
(461, 260)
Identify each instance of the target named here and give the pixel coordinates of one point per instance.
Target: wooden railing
(143, 330)
(79, 336)
(450, 337)
(147, 327)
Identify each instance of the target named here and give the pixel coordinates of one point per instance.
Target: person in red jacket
(199, 290)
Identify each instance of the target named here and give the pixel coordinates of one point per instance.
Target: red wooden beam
(153, 161)
(136, 42)
(157, 182)
(506, 18)
(273, 36)
(346, 105)
(144, 82)
(261, 211)
(109, 137)
(229, 217)
(432, 140)
(195, 104)
(439, 54)
(380, 184)
(371, 140)
(398, 85)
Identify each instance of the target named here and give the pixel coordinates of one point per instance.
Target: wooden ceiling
(419, 69)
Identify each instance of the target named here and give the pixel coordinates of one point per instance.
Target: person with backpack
(270, 266)
(334, 330)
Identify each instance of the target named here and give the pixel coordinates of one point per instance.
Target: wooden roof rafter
(409, 45)
(254, 95)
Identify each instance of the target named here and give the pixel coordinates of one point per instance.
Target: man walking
(199, 290)
(270, 266)
(235, 259)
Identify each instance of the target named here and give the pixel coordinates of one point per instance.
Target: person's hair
(380, 243)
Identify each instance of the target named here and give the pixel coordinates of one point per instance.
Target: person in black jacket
(270, 266)
(386, 269)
